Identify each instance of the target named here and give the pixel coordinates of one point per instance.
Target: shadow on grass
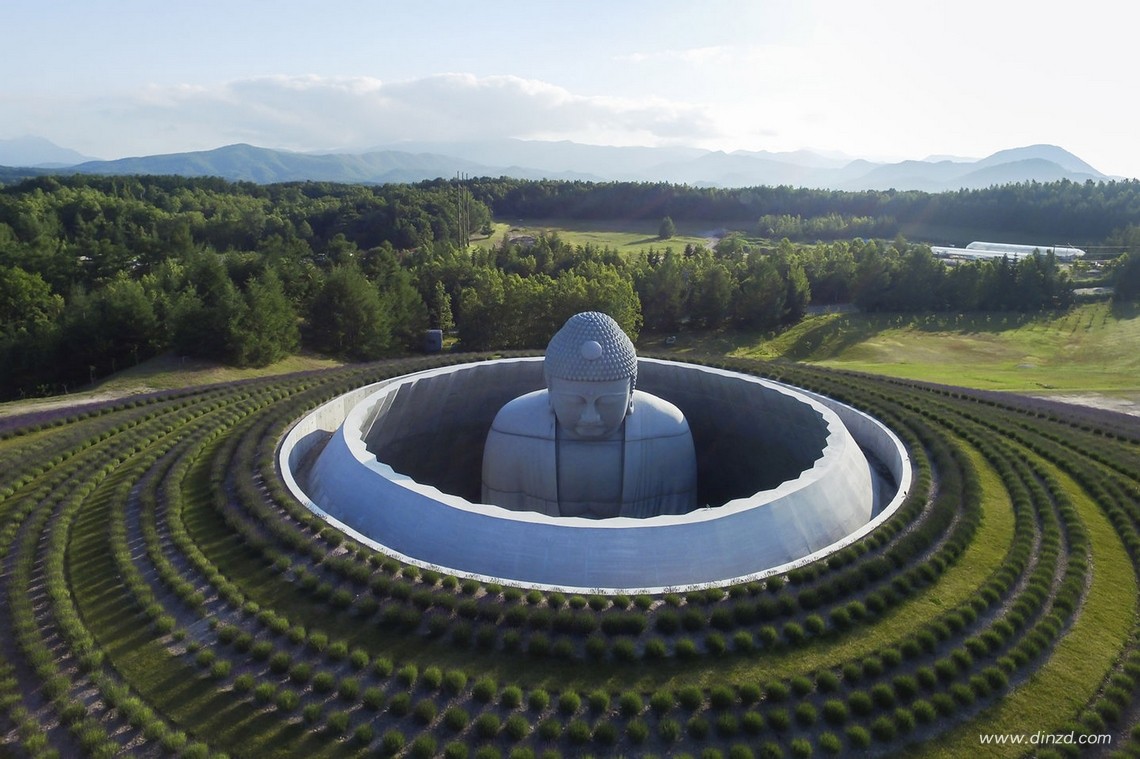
(829, 336)
(1125, 310)
(241, 725)
(652, 240)
(833, 337)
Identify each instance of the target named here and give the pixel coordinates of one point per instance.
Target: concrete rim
(360, 402)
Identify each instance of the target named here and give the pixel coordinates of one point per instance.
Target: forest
(100, 273)
(1081, 214)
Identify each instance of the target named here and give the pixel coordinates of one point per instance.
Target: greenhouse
(1015, 251)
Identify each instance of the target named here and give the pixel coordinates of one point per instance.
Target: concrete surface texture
(781, 480)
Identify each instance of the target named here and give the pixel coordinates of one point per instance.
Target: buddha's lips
(590, 430)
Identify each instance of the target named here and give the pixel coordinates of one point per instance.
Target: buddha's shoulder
(656, 417)
(528, 415)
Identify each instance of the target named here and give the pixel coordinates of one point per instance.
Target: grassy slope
(1093, 348)
(166, 372)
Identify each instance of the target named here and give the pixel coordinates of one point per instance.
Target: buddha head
(591, 370)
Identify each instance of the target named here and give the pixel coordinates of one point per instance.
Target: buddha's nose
(590, 414)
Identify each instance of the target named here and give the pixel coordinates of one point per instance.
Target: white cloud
(313, 113)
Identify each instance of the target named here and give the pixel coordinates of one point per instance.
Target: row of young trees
(97, 274)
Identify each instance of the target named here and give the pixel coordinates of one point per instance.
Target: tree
(202, 313)
(593, 287)
(919, 281)
(441, 317)
(29, 313)
(667, 229)
(482, 315)
(732, 246)
(27, 304)
(1127, 277)
(109, 329)
(831, 271)
(407, 313)
(265, 329)
(874, 278)
(759, 303)
(712, 301)
(663, 290)
(798, 293)
(347, 317)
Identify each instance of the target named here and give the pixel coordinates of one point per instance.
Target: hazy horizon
(886, 81)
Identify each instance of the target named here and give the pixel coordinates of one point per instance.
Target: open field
(630, 237)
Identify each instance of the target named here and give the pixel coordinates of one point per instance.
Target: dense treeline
(99, 273)
(1052, 213)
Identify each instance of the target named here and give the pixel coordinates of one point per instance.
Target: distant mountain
(252, 164)
(806, 158)
(1028, 169)
(909, 175)
(523, 159)
(36, 151)
(1051, 153)
(557, 157)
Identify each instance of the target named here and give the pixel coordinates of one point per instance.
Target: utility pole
(463, 209)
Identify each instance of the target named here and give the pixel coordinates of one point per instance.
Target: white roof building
(1014, 251)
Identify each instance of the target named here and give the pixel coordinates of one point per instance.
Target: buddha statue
(590, 444)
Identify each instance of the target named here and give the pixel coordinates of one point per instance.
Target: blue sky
(885, 80)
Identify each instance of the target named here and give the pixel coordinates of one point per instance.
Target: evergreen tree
(1127, 277)
(760, 300)
(441, 311)
(347, 317)
(107, 330)
(265, 330)
(202, 313)
(712, 301)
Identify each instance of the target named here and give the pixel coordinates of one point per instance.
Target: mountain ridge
(33, 151)
(524, 159)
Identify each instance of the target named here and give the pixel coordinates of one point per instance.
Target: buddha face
(590, 410)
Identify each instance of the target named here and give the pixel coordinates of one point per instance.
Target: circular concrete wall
(781, 476)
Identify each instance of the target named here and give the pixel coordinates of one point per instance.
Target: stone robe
(647, 468)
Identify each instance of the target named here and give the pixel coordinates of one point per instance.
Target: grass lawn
(166, 372)
(1091, 348)
(627, 237)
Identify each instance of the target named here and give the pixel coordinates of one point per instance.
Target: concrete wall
(749, 536)
(433, 430)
